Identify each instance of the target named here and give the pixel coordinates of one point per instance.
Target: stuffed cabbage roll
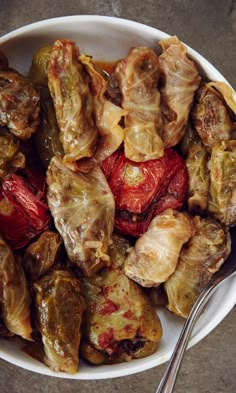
(155, 254)
(11, 158)
(69, 88)
(107, 115)
(83, 209)
(14, 294)
(180, 81)
(199, 259)
(222, 196)
(199, 181)
(138, 76)
(19, 104)
(210, 116)
(59, 307)
(41, 255)
(119, 322)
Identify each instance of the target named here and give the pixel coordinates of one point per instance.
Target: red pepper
(128, 314)
(105, 339)
(23, 209)
(143, 190)
(108, 307)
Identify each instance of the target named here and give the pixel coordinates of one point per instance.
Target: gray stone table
(210, 28)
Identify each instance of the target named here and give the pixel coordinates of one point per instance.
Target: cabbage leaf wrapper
(200, 258)
(73, 102)
(14, 294)
(120, 322)
(180, 81)
(155, 254)
(199, 179)
(210, 114)
(19, 104)
(41, 255)
(196, 160)
(83, 209)
(190, 137)
(138, 76)
(222, 195)
(107, 114)
(226, 92)
(59, 307)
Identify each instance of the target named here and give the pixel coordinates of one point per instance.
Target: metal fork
(227, 270)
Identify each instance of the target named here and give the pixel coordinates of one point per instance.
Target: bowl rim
(197, 57)
(231, 299)
(61, 19)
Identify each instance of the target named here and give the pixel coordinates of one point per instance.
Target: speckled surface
(210, 28)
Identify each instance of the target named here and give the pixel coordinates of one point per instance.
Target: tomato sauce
(108, 307)
(107, 66)
(105, 339)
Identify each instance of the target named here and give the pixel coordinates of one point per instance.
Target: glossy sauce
(107, 66)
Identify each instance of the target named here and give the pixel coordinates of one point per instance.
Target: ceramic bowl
(109, 39)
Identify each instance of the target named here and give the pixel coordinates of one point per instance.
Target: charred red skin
(163, 184)
(27, 213)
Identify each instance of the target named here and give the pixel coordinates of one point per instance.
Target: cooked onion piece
(155, 254)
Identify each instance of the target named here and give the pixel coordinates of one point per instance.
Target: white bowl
(108, 38)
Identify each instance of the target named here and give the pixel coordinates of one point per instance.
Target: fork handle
(169, 378)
